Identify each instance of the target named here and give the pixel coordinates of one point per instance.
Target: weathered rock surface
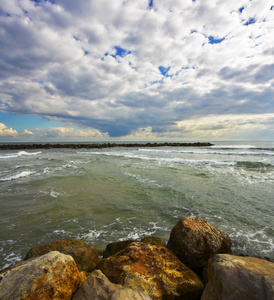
(194, 241)
(51, 276)
(153, 240)
(153, 269)
(115, 247)
(98, 287)
(237, 278)
(85, 256)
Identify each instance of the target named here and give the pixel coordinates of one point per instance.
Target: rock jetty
(142, 270)
(97, 146)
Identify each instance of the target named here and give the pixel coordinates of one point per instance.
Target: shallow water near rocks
(106, 195)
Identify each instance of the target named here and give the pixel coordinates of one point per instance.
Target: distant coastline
(98, 146)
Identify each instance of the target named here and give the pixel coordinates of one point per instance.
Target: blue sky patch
(163, 70)
(241, 9)
(250, 21)
(150, 4)
(213, 40)
(119, 52)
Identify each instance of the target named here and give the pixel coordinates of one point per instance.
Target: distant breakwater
(98, 146)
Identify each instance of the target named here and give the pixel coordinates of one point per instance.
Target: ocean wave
(257, 165)
(163, 159)
(20, 153)
(241, 153)
(18, 176)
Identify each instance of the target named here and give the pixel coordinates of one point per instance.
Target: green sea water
(106, 195)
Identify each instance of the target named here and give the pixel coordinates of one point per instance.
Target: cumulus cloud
(122, 66)
(7, 132)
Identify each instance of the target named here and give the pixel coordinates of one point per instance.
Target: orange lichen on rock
(153, 269)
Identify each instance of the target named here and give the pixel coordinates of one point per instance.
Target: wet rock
(115, 247)
(154, 270)
(85, 256)
(51, 276)
(194, 241)
(236, 278)
(98, 287)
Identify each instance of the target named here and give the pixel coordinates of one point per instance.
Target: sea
(114, 194)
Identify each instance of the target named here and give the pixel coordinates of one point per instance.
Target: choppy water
(112, 194)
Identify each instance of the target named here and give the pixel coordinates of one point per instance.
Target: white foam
(24, 153)
(18, 176)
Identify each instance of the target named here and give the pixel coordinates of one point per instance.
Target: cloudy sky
(91, 70)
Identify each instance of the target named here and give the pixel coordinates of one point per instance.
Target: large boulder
(115, 247)
(51, 276)
(153, 269)
(98, 287)
(194, 241)
(236, 278)
(153, 240)
(85, 256)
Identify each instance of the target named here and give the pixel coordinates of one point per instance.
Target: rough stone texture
(98, 287)
(115, 247)
(237, 278)
(51, 276)
(153, 240)
(194, 241)
(153, 269)
(85, 256)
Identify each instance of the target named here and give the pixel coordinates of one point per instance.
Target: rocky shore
(97, 146)
(196, 263)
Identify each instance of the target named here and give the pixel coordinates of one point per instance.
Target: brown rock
(194, 241)
(98, 287)
(115, 247)
(152, 269)
(237, 278)
(85, 256)
(153, 240)
(51, 276)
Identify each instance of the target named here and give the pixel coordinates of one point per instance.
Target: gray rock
(98, 287)
(236, 278)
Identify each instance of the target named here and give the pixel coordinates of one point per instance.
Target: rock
(154, 270)
(236, 278)
(85, 256)
(51, 276)
(153, 240)
(194, 241)
(98, 287)
(115, 247)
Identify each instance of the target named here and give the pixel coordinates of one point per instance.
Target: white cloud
(7, 132)
(59, 61)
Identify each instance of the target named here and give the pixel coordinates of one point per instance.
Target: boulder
(153, 240)
(85, 256)
(115, 247)
(51, 276)
(194, 241)
(98, 287)
(236, 278)
(152, 269)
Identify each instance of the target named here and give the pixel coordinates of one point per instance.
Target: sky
(158, 70)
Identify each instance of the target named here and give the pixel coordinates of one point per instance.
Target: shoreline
(99, 146)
